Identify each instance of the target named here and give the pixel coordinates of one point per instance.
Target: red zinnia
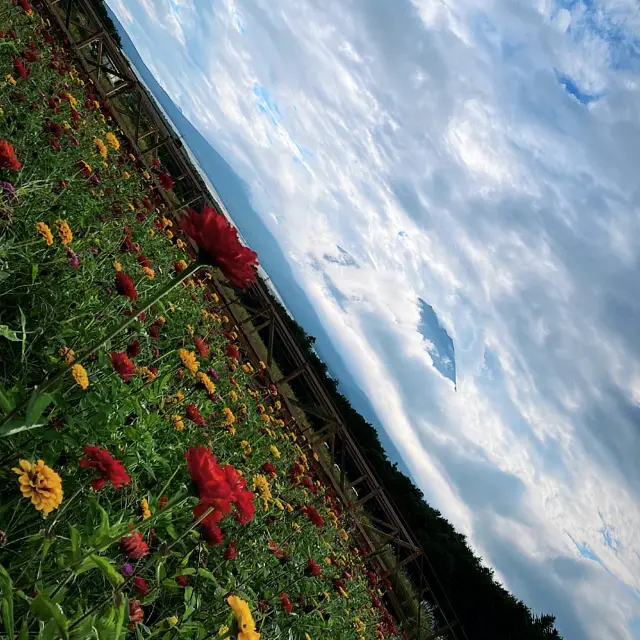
(123, 365)
(202, 347)
(194, 414)
(21, 70)
(143, 261)
(26, 6)
(136, 614)
(219, 244)
(314, 516)
(181, 580)
(269, 469)
(8, 158)
(231, 552)
(166, 181)
(133, 349)
(232, 351)
(156, 163)
(125, 286)
(134, 546)
(314, 568)
(103, 462)
(286, 603)
(141, 586)
(212, 533)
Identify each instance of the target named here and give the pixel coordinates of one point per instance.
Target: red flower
(125, 286)
(166, 181)
(277, 550)
(136, 614)
(143, 261)
(194, 414)
(26, 6)
(314, 516)
(231, 552)
(218, 243)
(141, 586)
(103, 462)
(269, 469)
(133, 349)
(21, 70)
(163, 502)
(314, 568)
(134, 546)
(286, 603)
(147, 204)
(202, 347)
(232, 351)
(212, 533)
(122, 364)
(156, 163)
(8, 158)
(181, 580)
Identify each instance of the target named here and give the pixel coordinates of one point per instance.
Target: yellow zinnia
(177, 423)
(189, 360)
(43, 229)
(144, 506)
(150, 273)
(113, 141)
(40, 483)
(64, 231)
(67, 355)
(229, 418)
(244, 619)
(274, 451)
(206, 382)
(101, 147)
(79, 374)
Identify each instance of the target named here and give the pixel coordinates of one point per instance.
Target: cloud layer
(480, 155)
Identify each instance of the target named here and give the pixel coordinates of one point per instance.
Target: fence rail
(379, 526)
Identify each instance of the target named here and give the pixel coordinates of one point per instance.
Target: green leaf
(6, 401)
(9, 334)
(45, 610)
(24, 631)
(23, 325)
(75, 543)
(38, 402)
(98, 562)
(34, 272)
(123, 611)
(16, 425)
(6, 586)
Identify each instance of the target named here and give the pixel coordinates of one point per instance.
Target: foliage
(113, 366)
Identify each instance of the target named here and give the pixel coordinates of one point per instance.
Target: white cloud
(445, 156)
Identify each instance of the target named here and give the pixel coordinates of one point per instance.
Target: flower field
(151, 484)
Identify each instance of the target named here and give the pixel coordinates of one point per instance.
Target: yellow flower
(246, 448)
(214, 297)
(229, 418)
(101, 147)
(206, 382)
(295, 526)
(342, 592)
(144, 506)
(307, 636)
(247, 368)
(244, 619)
(231, 430)
(167, 223)
(179, 396)
(173, 620)
(146, 373)
(190, 330)
(325, 595)
(274, 451)
(80, 376)
(40, 483)
(262, 365)
(96, 104)
(171, 307)
(113, 141)
(125, 175)
(223, 630)
(278, 405)
(131, 207)
(279, 504)
(169, 235)
(265, 418)
(233, 396)
(359, 625)
(161, 320)
(189, 360)
(261, 485)
(343, 534)
(67, 355)
(150, 273)
(72, 101)
(64, 231)
(43, 229)
(145, 175)
(180, 244)
(177, 422)
(132, 157)
(11, 80)
(116, 265)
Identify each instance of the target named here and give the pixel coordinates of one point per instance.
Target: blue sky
(480, 155)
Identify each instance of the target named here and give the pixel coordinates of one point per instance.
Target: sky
(480, 156)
